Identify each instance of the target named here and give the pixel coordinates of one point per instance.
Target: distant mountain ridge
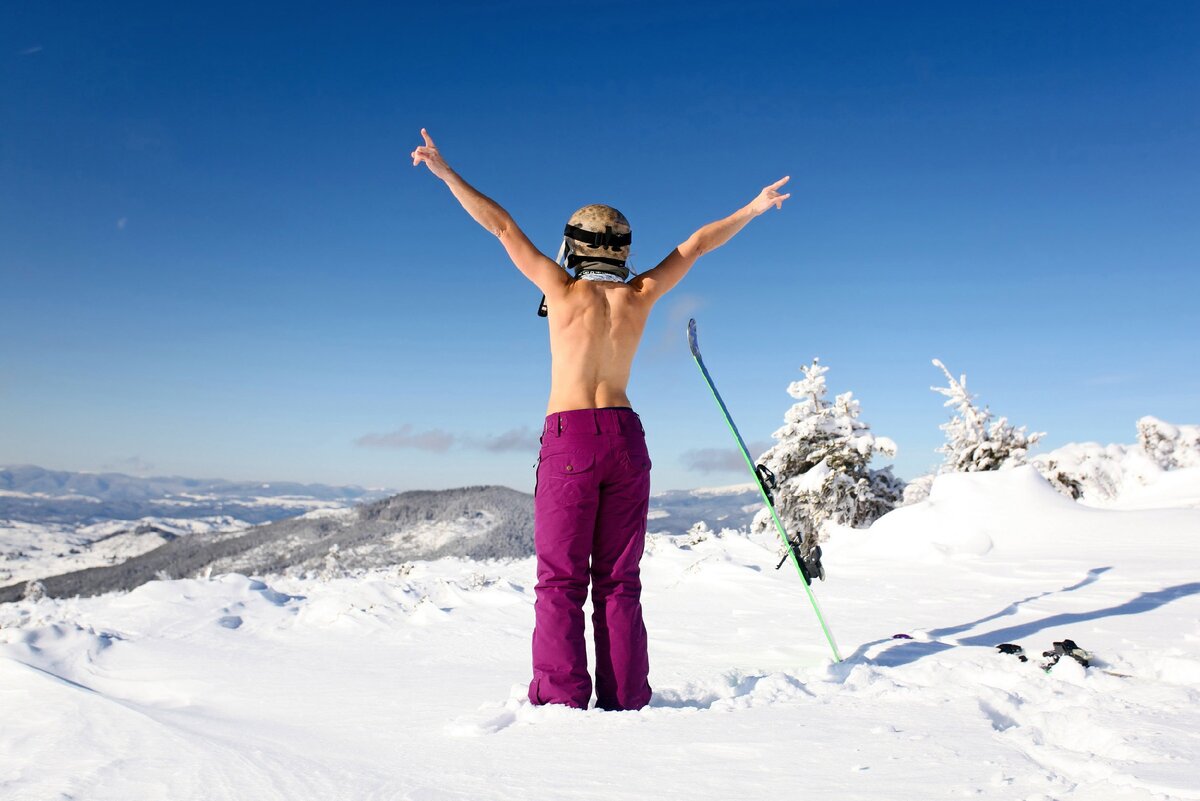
(319, 531)
(676, 511)
(485, 522)
(35, 494)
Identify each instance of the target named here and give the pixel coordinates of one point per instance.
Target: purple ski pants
(590, 503)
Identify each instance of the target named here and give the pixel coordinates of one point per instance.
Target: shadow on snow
(909, 651)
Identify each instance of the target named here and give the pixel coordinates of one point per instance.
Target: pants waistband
(608, 420)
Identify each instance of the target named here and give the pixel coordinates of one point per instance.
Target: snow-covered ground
(408, 682)
(30, 550)
(1174, 487)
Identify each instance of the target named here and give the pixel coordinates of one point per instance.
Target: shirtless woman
(593, 478)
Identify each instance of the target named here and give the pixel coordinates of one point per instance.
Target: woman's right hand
(429, 155)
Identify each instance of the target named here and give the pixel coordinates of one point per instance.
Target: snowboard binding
(767, 479)
(1013, 649)
(810, 562)
(1060, 649)
(1066, 648)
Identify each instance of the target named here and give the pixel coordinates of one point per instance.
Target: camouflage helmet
(599, 231)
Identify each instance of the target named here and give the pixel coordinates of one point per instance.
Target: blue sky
(216, 259)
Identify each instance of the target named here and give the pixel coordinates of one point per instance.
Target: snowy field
(408, 682)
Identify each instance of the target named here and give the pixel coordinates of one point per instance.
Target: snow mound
(934, 529)
(1174, 488)
(1013, 511)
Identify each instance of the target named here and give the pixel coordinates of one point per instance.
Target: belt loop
(596, 415)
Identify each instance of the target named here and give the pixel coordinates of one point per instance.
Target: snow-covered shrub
(917, 490)
(698, 533)
(1091, 471)
(479, 581)
(821, 463)
(1170, 446)
(1062, 480)
(974, 440)
(331, 566)
(1098, 473)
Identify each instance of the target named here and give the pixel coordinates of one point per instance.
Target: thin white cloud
(29, 51)
(523, 439)
(517, 439)
(134, 465)
(434, 440)
(720, 460)
(678, 310)
(121, 222)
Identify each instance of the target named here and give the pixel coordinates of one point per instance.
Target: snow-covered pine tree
(820, 462)
(974, 441)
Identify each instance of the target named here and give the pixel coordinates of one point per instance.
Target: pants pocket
(637, 461)
(567, 475)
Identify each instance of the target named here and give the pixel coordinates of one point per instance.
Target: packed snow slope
(408, 683)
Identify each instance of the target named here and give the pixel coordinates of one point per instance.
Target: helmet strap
(599, 239)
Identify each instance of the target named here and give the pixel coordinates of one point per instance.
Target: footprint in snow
(492, 718)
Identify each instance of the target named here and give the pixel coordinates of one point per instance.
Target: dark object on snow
(1066, 648)
(810, 563)
(901, 636)
(1014, 649)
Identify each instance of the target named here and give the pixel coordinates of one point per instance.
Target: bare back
(595, 328)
